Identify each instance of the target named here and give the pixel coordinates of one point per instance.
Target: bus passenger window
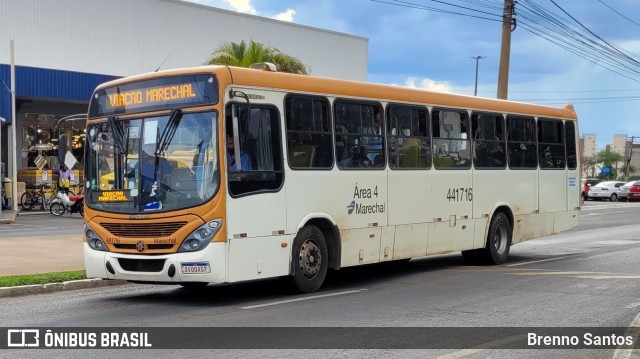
(408, 140)
(521, 142)
(551, 144)
(308, 132)
(450, 139)
(359, 135)
(570, 141)
(488, 141)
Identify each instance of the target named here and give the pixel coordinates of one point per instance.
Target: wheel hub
(310, 259)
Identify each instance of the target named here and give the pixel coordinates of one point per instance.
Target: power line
(614, 10)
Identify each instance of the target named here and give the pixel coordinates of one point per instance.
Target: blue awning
(47, 84)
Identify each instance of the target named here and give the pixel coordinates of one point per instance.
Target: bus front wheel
(310, 259)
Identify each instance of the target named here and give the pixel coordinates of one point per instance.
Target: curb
(58, 287)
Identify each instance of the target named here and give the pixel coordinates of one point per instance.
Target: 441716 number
(460, 194)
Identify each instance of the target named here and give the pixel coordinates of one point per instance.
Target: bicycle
(38, 198)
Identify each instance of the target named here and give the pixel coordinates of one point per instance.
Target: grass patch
(43, 278)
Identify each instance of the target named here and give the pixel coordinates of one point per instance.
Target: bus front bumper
(207, 265)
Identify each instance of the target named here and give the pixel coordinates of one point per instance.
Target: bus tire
(310, 259)
(498, 239)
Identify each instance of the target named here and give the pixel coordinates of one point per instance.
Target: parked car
(586, 184)
(605, 190)
(624, 190)
(634, 192)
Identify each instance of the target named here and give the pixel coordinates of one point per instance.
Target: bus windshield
(147, 164)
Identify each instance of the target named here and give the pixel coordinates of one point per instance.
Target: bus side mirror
(62, 147)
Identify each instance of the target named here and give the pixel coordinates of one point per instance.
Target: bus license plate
(195, 268)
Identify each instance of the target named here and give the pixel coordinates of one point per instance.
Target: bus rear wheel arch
(498, 243)
(310, 259)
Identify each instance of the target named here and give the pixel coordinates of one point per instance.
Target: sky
(414, 43)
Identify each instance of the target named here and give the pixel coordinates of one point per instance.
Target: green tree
(609, 159)
(588, 166)
(243, 55)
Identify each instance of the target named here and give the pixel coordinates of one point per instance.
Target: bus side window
(408, 140)
(259, 134)
(450, 139)
(521, 142)
(488, 141)
(570, 142)
(551, 144)
(309, 142)
(361, 145)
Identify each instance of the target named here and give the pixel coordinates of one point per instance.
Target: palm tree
(234, 54)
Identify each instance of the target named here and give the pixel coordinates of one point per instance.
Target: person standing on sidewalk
(64, 179)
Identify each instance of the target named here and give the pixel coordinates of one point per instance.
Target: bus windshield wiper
(169, 131)
(165, 138)
(118, 134)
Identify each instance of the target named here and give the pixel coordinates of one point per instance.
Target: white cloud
(286, 15)
(428, 84)
(243, 6)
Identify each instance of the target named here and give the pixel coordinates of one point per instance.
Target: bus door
(450, 185)
(256, 218)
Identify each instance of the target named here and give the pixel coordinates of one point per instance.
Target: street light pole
(477, 58)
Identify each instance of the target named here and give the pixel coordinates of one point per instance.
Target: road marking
(305, 298)
(532, 262)
(633, 331)
(582, 275)
(495, 343)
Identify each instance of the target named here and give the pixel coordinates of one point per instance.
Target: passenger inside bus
(245, 159)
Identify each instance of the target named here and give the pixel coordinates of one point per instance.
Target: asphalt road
(586, 277)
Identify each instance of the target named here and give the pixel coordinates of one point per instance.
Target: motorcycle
(64, 203)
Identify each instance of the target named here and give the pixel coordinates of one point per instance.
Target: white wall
(126, 37)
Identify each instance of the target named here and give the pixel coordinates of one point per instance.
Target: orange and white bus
(224, 174)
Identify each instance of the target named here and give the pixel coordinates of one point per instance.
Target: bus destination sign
(155, 94)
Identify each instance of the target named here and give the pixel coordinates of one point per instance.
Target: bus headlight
(93, 240)
(201, 237)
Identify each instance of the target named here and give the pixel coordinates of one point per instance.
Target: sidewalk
(42, 253)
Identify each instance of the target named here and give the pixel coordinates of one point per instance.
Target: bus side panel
(409, 197)
(409, 211)
(573, 190)
(259, 257)
(553, 190)
(355, 199)
(387, 243)
(360, 246)
(411, 240)
(518, 188)
(530, 226)
(255, 249)
(449, 208)
(446, 237)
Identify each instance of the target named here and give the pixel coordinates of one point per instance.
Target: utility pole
(628, 159)
(508, 25)
(477, 58)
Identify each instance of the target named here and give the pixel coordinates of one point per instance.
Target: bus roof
(344, 88)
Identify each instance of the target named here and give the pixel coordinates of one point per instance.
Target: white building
(65, 48)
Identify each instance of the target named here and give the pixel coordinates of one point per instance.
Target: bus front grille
(149, 246)
(143, 230)
(141, 265)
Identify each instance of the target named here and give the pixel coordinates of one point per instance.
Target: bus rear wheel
(498, 239)
(310, 259)
(498, 243)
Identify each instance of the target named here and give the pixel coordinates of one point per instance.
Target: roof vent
(265, 66)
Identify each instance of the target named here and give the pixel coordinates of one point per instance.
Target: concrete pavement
(42, 253)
